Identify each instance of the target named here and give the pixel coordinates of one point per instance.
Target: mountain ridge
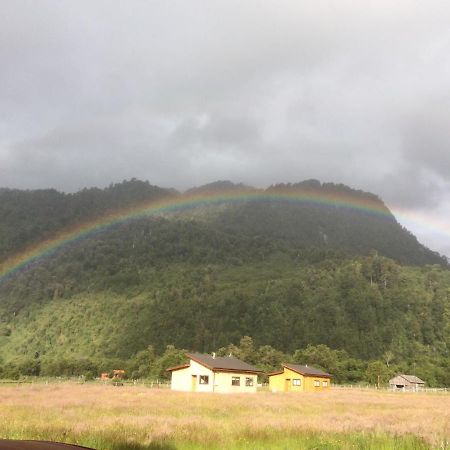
(30, 216)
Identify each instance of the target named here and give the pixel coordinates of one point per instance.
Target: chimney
(214, 355)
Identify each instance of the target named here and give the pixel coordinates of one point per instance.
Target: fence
(154, 384)
(369, 387)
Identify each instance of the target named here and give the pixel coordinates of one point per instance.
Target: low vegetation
(135, 417)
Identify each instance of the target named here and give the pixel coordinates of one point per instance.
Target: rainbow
(32, 255)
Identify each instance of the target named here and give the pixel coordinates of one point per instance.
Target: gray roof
(222, 363)
(307, 370)
(412, 379)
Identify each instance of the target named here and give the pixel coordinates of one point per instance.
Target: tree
(142, 365)
(170, 358)
(319, 355)
(377, 373)
(388, 357)
(270, 359)
(246, 350)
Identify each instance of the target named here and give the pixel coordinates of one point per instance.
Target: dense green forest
(353, 293)
(28, 217)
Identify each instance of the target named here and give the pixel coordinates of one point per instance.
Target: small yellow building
(208, 373)
(295, 378)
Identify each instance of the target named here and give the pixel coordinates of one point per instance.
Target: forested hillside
(27, 217)
(303, 280)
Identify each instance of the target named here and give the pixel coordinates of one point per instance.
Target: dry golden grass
(141, 418)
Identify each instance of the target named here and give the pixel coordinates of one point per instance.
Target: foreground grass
(138, 418)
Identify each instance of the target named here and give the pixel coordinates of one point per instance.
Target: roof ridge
(222, 362)
(304, 369)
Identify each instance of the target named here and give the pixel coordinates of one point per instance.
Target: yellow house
(208, 373)
(295, 378)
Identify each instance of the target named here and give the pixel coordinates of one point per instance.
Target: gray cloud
(426, 135)
(185, 92)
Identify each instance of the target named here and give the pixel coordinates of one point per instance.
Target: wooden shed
(404, 382)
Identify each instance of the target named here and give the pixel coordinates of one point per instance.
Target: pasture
(139, 418)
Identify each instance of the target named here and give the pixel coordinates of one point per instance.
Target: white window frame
(235, 381)
(296, 382)
(203, 379)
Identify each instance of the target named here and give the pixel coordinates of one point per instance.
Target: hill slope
(289, 274)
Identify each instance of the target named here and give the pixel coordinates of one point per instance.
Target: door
(194, 383)
(287, 384)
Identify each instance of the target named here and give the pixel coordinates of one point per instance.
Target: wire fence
(366, 387)
(155, 384)
(164, 384)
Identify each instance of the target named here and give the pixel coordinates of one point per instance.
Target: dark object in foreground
(6, 444)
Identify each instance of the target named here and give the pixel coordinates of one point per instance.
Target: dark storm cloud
(186, 92)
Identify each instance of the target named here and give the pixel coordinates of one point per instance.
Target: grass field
(138, 418)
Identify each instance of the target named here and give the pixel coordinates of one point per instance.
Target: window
(324, 383)
(296, 382)
(204, 379)
(235, 381)
(249, 381)
(317, 383)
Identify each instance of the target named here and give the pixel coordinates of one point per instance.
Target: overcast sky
(185, 92)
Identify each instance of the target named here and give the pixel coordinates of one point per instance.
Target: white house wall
(224, 379)
(182, 378)
(218, 381)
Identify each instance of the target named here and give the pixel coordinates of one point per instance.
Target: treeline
(148, 365)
